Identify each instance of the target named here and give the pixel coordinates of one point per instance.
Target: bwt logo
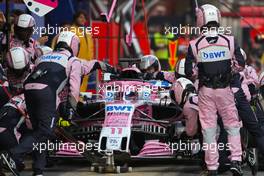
(119, 108)
(213, 55)
(51, 57)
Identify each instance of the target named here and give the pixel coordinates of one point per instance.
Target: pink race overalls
(86, 68)
(190, 113)
(213, 53)
(51, 74)
(11, 121)
(249, 77)
(15, 82)
(190, 107)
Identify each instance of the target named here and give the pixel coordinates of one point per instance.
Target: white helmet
(243, 54)
(261, 79)
(17, 58)
(25, 21)
(180, 66)
(42, 50)
(148, 61)
(207, 13)
(71, 39)
(24, 27)
(261, 84)
(182, 87)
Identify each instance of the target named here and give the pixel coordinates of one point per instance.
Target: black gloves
(153, 76)
(148, 76)
(65, 110)
(160, 76)
(110, 69)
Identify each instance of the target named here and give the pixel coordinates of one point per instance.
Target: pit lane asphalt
(146, 168)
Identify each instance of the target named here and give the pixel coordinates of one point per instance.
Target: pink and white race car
(128, 118)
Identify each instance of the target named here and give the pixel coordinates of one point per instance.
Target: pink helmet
(71, 39)
(148, 61)
(182, 87)
(17, 58)
(207, 13)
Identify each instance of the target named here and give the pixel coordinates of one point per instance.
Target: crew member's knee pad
(209, 135)
(233, 131)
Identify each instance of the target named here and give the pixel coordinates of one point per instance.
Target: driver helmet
(150, 64)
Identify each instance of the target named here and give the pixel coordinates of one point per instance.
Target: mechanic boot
(38, 172)
(236, 168)
(8, 163)
(252, 160)
(1, 170)
(209, 173)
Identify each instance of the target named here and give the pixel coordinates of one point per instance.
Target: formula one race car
(129, 118)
